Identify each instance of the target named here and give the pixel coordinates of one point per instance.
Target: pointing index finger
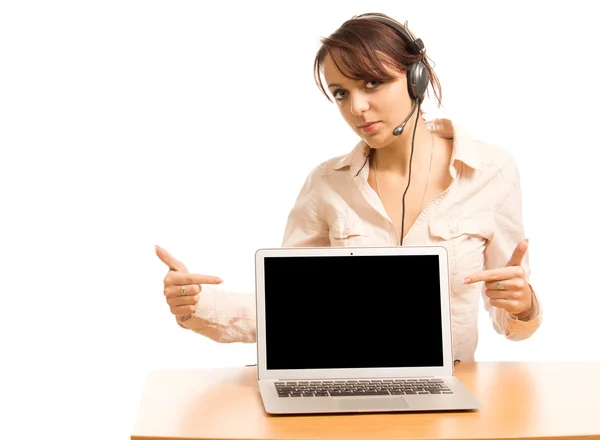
(502, 273)
(184, 279)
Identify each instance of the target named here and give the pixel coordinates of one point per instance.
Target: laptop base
(460, 399)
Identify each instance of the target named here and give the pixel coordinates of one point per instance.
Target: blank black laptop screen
(352, 312)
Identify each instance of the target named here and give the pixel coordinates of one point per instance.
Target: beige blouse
(477, 218)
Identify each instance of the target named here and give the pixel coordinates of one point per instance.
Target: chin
(377, 141)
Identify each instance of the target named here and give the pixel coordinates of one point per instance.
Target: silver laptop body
(356, 329)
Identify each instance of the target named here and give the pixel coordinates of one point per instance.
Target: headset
(417, 77)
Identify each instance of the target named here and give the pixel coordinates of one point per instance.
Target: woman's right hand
(182, 289)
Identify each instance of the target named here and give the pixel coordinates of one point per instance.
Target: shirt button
(453, 229)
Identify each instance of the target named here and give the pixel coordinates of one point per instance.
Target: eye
(339, 94)
(372, 84)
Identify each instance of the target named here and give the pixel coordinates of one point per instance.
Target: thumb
(518, 253)
(169, 260)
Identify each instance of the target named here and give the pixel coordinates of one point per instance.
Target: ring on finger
(183, 290)
(500, 285)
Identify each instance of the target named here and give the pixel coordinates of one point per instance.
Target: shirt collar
(464, 149)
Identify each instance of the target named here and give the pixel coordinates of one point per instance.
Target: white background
(192, 125)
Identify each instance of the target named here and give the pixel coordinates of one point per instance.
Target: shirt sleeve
(226, 316)
(508, 231)
(305, 226)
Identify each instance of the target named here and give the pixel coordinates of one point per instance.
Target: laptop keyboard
(335, 388)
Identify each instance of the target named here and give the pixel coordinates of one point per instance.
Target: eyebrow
(334, 85)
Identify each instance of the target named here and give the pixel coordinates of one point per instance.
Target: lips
(367, 124)
(369, 127)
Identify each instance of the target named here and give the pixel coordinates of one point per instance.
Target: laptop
(356, 329)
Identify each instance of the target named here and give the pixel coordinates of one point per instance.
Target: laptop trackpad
(371, 404)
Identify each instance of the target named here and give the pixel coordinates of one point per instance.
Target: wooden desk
(520, 400)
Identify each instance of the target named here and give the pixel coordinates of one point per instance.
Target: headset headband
(415, 47)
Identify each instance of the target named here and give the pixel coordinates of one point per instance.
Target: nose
(358, 104)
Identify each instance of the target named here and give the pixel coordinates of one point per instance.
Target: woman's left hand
(507, 287)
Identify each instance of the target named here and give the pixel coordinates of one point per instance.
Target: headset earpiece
(417, 76)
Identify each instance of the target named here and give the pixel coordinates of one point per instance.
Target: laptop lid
(353, 312)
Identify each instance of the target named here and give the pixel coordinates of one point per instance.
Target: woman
(407, 182)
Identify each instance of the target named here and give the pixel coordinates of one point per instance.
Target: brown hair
(360, 48)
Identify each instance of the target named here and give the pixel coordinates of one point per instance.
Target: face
(371, 108)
